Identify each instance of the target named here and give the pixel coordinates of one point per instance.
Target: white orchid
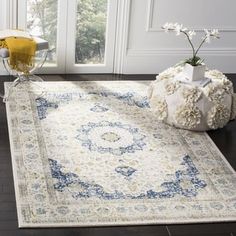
(191, 33)
(208, 34)
(168, 26)
(178, 28)
(215, 33)
(207, 37)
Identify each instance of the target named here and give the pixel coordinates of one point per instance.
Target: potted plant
(194, 68)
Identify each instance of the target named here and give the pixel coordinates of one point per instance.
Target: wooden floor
(224, 138)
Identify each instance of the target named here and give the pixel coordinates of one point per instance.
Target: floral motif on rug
(93, 154)
(171, 188)
(111, 137)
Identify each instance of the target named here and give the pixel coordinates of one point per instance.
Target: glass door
(91, 36)
(81, 33)
(46, 19)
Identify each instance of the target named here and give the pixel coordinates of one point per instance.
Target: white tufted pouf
(192, 107)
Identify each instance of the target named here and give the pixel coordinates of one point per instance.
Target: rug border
(98, 224)
(15, 181)
(131, 223)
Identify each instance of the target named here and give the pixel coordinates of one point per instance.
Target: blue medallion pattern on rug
(114, 132)
(99, 108)
(61, 97)
(128, 98)
(125, 170)
(171, 188)
(42, 106)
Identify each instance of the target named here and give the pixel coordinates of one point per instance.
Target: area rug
(94, 154)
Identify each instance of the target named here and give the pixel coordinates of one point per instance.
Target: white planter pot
(193, 73)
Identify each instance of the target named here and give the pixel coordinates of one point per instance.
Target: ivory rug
(94, 154)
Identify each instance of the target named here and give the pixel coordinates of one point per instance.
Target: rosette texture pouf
(94, 154)
(188, 106)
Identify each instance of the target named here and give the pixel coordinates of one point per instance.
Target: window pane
(90, 31)
(42, 22)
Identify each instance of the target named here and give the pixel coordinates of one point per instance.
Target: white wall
(150, 50)
(143, 48)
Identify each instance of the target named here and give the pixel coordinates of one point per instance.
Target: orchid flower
(178, 28)
(191, 33)
(215, 33)
(207, 36)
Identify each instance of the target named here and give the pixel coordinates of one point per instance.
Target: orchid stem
(203, 41)
(194, 53)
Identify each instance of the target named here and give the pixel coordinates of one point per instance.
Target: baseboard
(155, 61)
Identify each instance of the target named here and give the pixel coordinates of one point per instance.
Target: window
(42, 22)
(81, 33)
(90, 31)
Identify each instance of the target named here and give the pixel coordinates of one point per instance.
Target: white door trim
(8, 14)
(122, 35)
